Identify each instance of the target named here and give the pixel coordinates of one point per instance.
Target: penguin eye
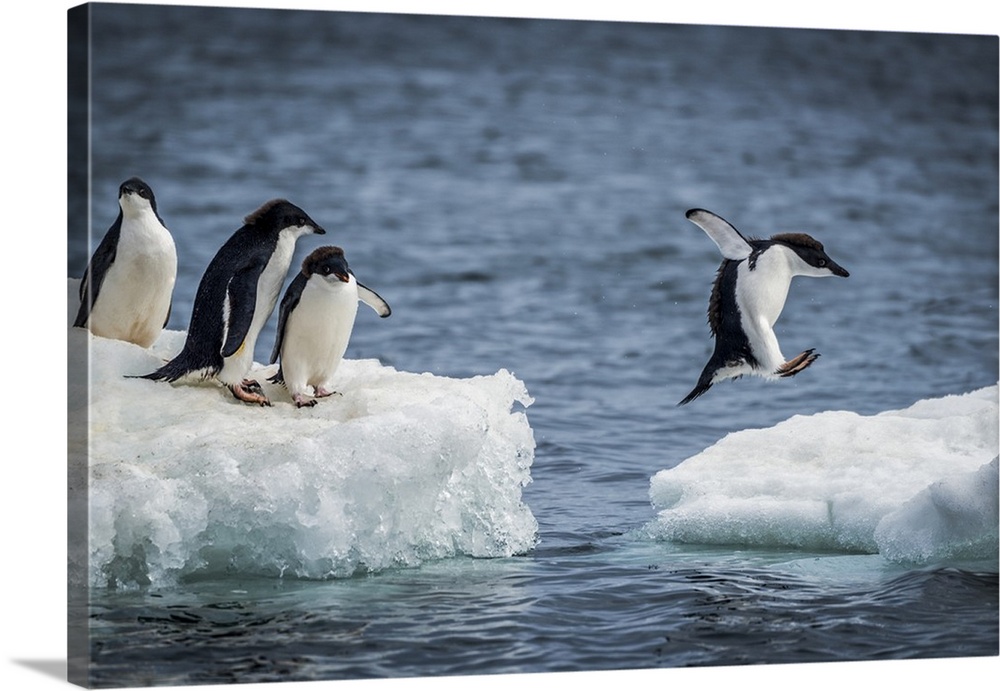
(821, 263)
(302, 221)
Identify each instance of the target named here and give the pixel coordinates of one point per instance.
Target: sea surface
(516, 190)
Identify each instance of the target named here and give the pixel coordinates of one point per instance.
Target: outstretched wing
(97, 269)
(241, 297)
(288, 303)
(731, 243)
(373, 300)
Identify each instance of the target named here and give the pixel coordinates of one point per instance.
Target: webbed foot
(797, 363)
(249, 391)
(302, 401)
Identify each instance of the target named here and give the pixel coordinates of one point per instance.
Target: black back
(97, 269)
(291, 298)
(233, 272)
(731, 342)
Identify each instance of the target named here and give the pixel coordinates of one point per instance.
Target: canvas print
(412, 345)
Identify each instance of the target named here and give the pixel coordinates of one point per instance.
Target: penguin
(235, 297)
(747, 297)
(315, 321)
(127, 288)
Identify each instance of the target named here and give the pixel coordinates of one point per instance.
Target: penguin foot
(249, 391)
(302, 402)
(322, 392)
(797, 363)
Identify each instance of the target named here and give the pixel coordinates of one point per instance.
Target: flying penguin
(127, 287)
(236, 296)
(747, 297)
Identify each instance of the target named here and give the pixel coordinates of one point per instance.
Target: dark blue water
(516, 189)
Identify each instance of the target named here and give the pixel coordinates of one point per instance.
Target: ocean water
(516, 190)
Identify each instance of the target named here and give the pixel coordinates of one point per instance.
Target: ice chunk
(399, 469)
(954, 518)
(910, 484)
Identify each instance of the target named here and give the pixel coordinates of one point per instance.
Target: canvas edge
(78, 23)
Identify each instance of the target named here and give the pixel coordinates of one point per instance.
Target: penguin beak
(838, 270)
(318, 230)
(343, 276)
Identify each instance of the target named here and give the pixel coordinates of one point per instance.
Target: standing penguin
(315, 321)
(128, 285)
(748, 296)
(235, 298)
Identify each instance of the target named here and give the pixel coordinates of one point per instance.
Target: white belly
(761, 295)
(317, 333)
(134, 298)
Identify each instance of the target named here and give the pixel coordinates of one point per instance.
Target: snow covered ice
(400, 469)
(917, 485)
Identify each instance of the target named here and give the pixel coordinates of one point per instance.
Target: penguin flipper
(291, 298)
(242, 298)
(97, 269)
(373, 300)
(731, 242)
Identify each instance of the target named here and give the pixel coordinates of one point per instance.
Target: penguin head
(135, 196)
(810, 257)
(279, 215)
(329, 263)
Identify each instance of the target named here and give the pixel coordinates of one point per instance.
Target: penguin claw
(797, 363)
(302, 401)
(249, 391)
(252, 385)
